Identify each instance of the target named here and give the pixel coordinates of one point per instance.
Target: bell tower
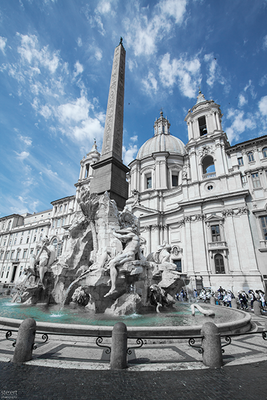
(204, 118)
(207, 141)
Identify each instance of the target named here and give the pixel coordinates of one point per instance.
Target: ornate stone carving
(205, 150)
(228, 212)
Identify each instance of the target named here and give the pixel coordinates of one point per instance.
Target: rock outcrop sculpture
(103, 267)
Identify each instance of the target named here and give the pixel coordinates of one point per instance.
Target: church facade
(206, 199)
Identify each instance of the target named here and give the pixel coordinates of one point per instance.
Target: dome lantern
(162, 125)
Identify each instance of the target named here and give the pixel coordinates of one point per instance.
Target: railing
(209, 175)
(139, 341)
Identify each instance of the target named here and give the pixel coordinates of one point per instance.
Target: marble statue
(132, 248)
(45, 258)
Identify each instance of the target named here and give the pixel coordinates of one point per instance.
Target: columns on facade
(157, 175)
(193, 164)
(190, 130)
(218, 121)
(189, 247)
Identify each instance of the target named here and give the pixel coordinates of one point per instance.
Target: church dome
(161, 141)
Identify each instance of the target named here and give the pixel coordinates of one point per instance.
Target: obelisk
(109, 171)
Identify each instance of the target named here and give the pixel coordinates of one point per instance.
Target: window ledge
(217, 245)
(263, 246)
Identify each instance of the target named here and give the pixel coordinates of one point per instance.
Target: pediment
(214, 218)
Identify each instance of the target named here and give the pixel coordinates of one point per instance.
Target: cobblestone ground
(31, 382)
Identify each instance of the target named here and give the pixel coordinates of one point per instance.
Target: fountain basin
(231, 321)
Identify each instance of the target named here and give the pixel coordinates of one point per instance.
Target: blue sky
(55, 67)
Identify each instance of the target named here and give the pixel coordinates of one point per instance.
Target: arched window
(202, 125)
(219, 264)
(264, 152)
(208, 167)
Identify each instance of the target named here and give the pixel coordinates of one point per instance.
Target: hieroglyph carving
(112, 142)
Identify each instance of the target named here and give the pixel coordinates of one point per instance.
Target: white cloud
(45, 111)
(242, 100)
(263, 106)
(239, 124)
(78, 69)
(185, 72)
(264, 44)
(74, 116)
(26, 140)
(263, 80)
(22, 155)
(79, 42)
(104, 7)
(31, 53)
(89, 129)
(74, 111)
(212, 62)
(173, 8)
(132, 64)
(150, 84)
(3, 44)
(143, 33)
(98, 54)
(134, 138)
(128, 155)
(250, 87)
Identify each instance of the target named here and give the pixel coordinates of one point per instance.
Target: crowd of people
(245, 300)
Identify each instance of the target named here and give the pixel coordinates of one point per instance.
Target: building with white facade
(207, 199)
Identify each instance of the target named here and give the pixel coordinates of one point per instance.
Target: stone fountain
(103, 268)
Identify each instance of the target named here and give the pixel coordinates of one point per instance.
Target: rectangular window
(174, 180)
(149, 182)
(215, 233)
(250, 156)
(240, 161)
(18, 253)
(264, 226)
(255, 181)
(178, 265)
(219, 264)
(202, 125)
(12, 254)
(24, 253)
(7, 255)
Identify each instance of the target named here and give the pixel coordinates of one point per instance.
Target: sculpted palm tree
(89, 205)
